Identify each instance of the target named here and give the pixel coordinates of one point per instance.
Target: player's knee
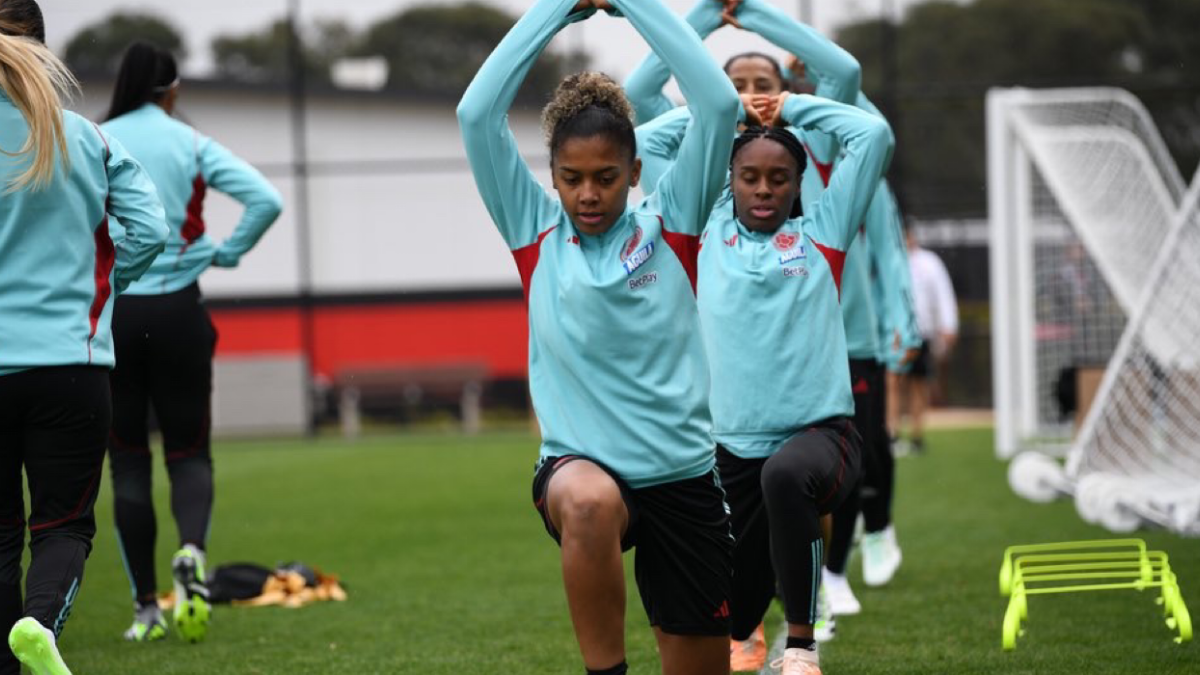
(784, 475)
(591, 508)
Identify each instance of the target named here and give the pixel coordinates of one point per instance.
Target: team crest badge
(785, 240)
(631, 243)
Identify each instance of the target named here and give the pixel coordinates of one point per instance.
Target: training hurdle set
(1080, 566)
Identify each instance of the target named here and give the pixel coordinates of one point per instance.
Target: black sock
(619, 669)
(801, 643)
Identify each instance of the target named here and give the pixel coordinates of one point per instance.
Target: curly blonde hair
(587, 104)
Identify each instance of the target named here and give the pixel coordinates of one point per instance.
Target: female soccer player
(617, 367)
(60, 180)
(781, 400)
(166, 339)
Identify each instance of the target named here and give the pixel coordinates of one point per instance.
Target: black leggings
(164, 346)
(776, 505)
(874, 498)
(53, 424)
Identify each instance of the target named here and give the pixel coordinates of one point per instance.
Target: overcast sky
(614, 47)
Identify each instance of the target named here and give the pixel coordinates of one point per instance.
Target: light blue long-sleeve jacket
(67, 249)
(617, 369)
(877, 290)
(183, 163)
(769, 303)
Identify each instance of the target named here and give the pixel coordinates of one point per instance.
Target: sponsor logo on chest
(632, 262)
(789, 247)
(644, 280)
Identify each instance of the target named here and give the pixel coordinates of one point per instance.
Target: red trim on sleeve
(686, 248)
(193, 222)
(836, 260)
(825, 169)
(105, 259)
(527, 260)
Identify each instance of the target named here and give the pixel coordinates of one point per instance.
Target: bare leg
(586, 508)
(895, 383)
(694, 654)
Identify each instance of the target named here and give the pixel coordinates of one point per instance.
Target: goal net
(1087, 209)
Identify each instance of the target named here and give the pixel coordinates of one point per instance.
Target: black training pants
(164, 347)
(776, 504)
(53, 427)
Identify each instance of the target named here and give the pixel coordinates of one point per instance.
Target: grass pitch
(449, 571)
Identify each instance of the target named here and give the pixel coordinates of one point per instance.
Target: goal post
(1081, 192)
(1095, 243)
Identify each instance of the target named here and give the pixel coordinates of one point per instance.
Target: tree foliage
(98, 47)
(429, 49)
(265, 55)
(947, 54)
(438, 48)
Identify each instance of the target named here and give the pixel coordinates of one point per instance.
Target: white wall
(404, 217)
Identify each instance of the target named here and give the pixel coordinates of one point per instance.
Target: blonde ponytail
(36, 82)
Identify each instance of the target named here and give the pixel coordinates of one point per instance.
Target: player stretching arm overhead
(781, 401)
(616, 363)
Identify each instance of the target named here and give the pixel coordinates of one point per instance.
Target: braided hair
(589, 104)
(783, 137)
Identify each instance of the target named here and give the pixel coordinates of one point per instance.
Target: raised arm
(866, 142)
(517, 203)
(692, 185)
(644, 86)
(890, 256)
(231, 175)
(839, 77)
(134, 203)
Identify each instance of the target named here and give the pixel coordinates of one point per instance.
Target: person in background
(937, 317)
(79, 222)
(166, 339)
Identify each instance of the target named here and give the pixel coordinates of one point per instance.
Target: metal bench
(412, 384)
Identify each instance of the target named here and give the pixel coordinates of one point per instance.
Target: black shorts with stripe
(683, 547)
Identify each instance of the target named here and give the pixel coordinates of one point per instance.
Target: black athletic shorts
(684, 547)
(922, 366)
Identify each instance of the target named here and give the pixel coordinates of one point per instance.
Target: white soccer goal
(1094, 264)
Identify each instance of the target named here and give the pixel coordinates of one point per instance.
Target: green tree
(97, 48)
(437, 49)
(264, 56)
(948, 54)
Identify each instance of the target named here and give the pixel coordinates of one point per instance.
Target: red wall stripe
(493, 333)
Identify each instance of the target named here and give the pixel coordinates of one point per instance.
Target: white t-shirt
(933, 295)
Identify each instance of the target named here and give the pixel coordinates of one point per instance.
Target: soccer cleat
(881, 557)
(192, 610)
(148, 624)
(841, 598)
(825, 628)
(33, 644)
(748, 654)
(797, 662)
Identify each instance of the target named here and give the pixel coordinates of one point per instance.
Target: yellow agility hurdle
(1096, 565)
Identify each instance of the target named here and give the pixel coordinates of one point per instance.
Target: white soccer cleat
(797, 662)
(839, 594)
(881, 557)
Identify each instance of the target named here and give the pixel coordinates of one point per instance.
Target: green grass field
(449, 571)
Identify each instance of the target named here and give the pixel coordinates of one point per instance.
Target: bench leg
(348, 412)
(470, 407)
